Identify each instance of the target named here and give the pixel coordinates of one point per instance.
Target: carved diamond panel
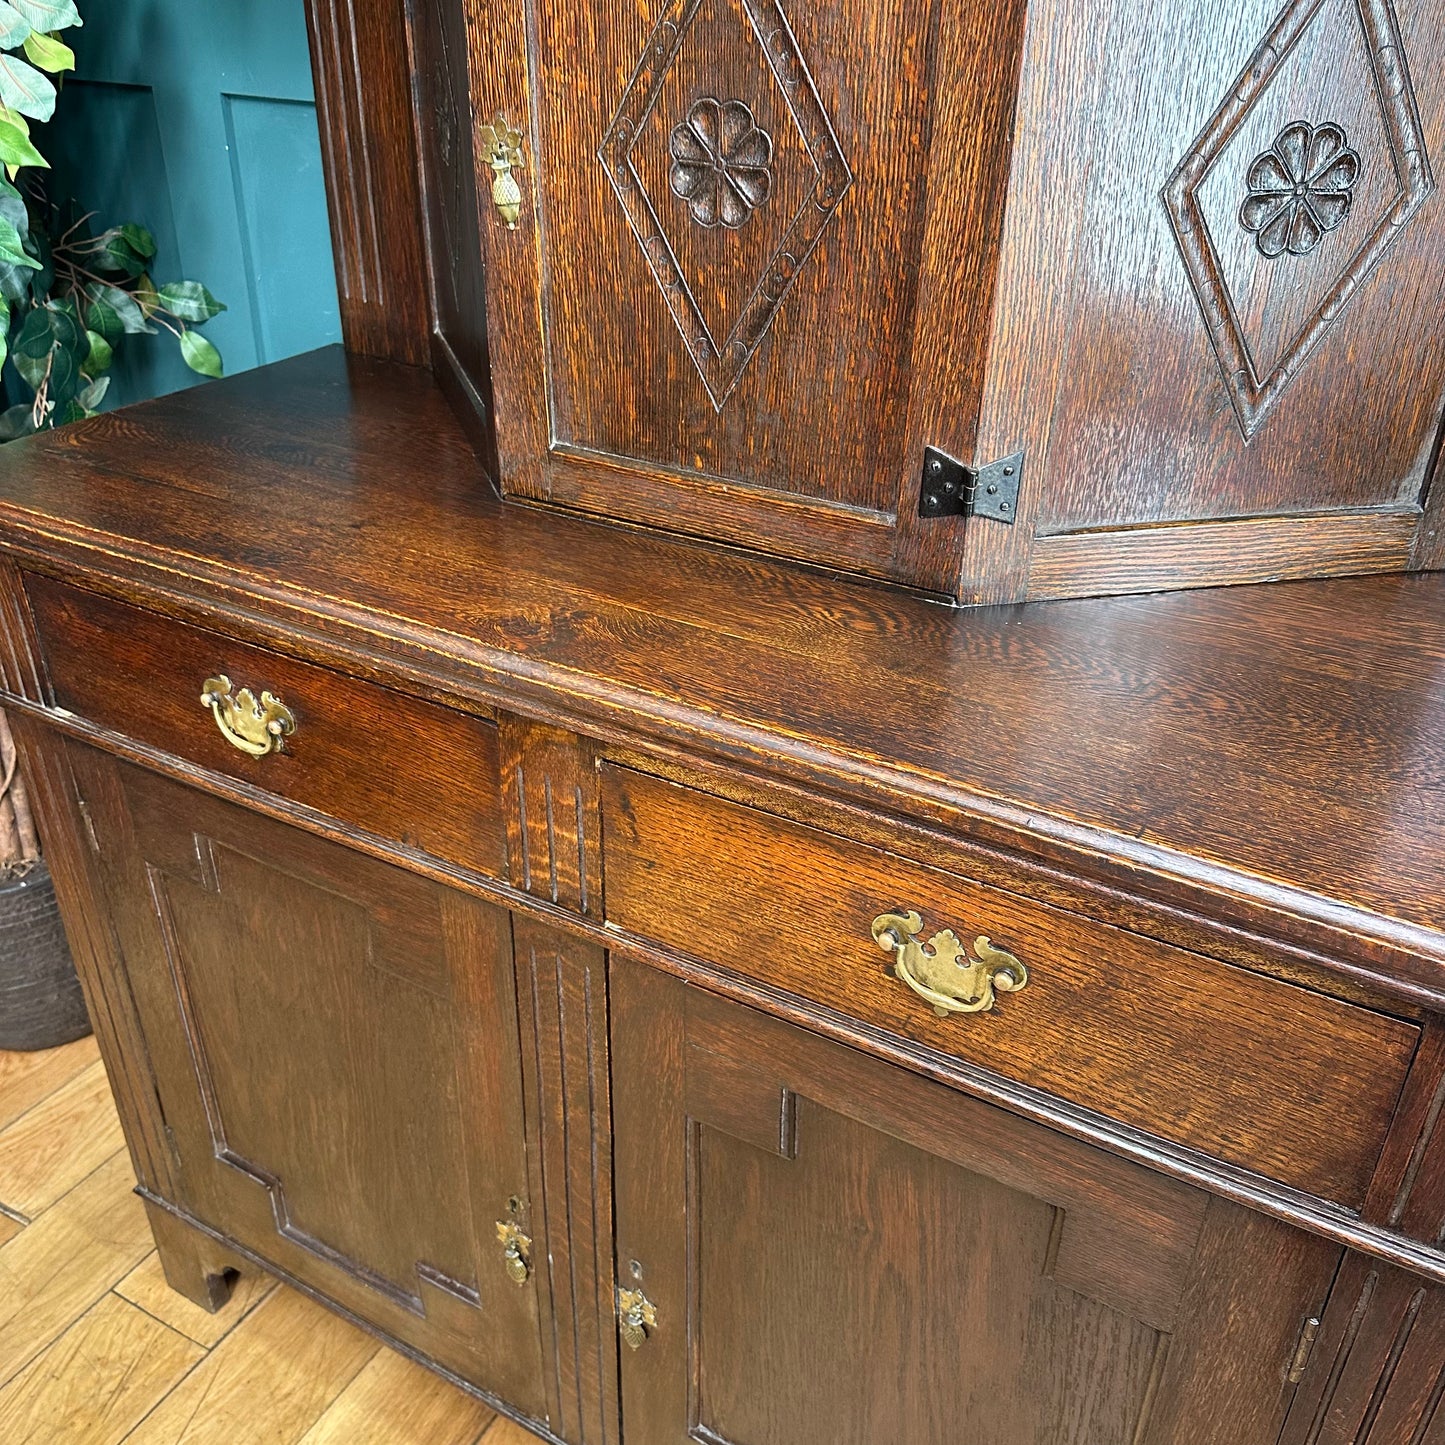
(722, 182)
(1295, 189)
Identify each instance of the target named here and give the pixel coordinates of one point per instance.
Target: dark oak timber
(495, 955)
(1267, 755)
(794, 1199)
(1183, 261)
(1166, 1040)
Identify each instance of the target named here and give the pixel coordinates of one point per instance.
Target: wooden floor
(95, 1349)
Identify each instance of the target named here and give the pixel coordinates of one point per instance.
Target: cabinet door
(1219, 320)
(760, 240)
(1376, 1373)
(837, 1251)
(335, 1050)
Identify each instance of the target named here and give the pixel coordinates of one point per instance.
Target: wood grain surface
(686, 371)
(888, 1210)
(353, 742)
(1175, 1043)
(93, 1353)
(1042, 245)
(335, 1046)
(363, 102)
(1265, 755)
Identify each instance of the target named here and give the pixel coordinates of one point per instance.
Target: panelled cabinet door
(760, 239)
(334, 1044)
(814, 1246)
(1376, 1369)
(1219, 332)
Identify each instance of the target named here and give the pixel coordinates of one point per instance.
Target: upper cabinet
(754, 260)
(1000, 300)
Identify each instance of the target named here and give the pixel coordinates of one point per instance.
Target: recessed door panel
(336, 1052)
(1218, 330)
(814, 1246)
(749, 316)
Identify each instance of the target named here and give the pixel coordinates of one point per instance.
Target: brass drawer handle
(516, 1251)
(256, 728)
(941, 972)
(636, 1317)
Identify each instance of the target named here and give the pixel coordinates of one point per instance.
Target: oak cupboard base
(195, 1265)
(537, 1020)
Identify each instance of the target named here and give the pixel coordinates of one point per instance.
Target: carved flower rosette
(721, 163)
(1300, 189)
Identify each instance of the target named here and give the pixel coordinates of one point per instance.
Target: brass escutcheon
(256, 728)
(516, 1251)
(636, 1317)
(502, 149)
(941, 972)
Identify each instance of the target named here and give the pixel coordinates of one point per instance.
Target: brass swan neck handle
(255, 727)
(941, 972)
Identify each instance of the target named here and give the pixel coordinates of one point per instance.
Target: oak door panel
(1376, 1374)
(753, 314)
(1220, 292)
(839, 1251)
(336, 1053)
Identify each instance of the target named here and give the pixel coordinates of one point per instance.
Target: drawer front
(1247, 1069)
(406, 770)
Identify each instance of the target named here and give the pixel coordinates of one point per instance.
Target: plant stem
(19, 842)
(89, 216)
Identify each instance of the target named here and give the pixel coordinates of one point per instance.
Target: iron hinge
(951, 489)
(1309, 1333)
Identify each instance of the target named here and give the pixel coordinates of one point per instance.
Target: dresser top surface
(1281, 746)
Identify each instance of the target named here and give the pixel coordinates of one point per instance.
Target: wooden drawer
(407, 770)
(1245, 1068)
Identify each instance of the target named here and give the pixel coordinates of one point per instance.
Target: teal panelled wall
(196, 118)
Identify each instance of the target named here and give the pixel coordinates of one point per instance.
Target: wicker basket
(40, 1000)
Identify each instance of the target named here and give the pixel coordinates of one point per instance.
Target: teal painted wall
(196, 118)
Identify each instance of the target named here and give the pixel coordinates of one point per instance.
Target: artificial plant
(73, 292)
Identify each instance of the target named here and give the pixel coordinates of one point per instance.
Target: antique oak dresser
(563, 873)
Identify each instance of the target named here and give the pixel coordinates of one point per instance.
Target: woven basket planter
(40, 1000)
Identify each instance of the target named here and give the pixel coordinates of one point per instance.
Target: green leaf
(91, 397)
(25, 89)
(13, 208)
(146, 295)
(131, 318)
(17, 422)
(48, 352)
(48, 53)
(45, 328)
(15, 147)
(138, 239)
(14, 27)
(101, 317)
(101, 354)
(200, 355)
(12, 247)
(49, 15)
(4, 345)
(19, 278)
(115, 254)
(42, 282)
(190, 301)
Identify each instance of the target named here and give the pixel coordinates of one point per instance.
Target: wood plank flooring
(95, 1349)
